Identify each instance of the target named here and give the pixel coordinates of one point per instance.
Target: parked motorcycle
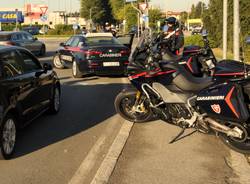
(177, 97)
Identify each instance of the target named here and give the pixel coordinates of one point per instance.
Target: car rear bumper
(101, 70)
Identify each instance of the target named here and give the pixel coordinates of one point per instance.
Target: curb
(105, 170)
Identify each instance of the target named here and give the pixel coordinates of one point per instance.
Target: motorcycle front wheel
(125, 106)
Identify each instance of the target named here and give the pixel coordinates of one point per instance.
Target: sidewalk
(147, 158)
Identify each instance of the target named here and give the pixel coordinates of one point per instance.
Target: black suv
(27, 89)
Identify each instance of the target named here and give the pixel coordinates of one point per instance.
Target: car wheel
(75, 70)
(8, 134)
(42, 51)
(55, 101)
(58, 62)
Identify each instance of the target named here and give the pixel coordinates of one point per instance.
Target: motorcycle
(177, 97)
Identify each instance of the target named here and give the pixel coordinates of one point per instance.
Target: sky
(74, 5)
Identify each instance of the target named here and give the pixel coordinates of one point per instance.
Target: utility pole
(16, 18)
(225, 29)
(147, 15)
(236, 31)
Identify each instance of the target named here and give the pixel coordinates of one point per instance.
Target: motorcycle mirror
(204, 33)
(248, 40)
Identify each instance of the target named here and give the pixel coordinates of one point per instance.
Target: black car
(95, 53)
(23, 39)
(31, 30)
(27, 89)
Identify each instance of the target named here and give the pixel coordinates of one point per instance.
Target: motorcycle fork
(138, 101)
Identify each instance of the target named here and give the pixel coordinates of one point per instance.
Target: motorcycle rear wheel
(124, 103)
(241, 147)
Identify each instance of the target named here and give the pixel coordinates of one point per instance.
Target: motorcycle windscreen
(225, 101)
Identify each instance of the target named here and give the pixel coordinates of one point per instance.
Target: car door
(126, 40)
(32, 43)
(18, 85)
(42, 82)
(65, 52)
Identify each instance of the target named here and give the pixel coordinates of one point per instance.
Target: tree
(117, 7)
(184, 16)
(99, 10)
(213, 21)
(154, 16)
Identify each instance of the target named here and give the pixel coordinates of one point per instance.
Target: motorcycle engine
(177, 111)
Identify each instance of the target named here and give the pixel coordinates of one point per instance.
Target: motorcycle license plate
(111, 64)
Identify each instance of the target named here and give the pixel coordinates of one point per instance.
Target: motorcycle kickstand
(178, 136)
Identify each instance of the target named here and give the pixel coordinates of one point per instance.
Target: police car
(94, 53)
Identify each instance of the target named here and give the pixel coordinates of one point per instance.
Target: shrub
(198, 40)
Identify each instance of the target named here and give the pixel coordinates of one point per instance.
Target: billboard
(11, 16)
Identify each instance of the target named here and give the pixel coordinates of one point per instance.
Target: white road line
(88, 163)
(108, 164)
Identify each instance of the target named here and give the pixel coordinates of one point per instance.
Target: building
(35, 14)
(173, 14)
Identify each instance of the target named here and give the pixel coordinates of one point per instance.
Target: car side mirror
(47, 67)
(81, 44)
(62, 44)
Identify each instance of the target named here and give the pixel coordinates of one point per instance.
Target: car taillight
(126, 62)
(125, 52)
(92, 53)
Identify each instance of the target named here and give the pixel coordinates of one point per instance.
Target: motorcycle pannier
(224, 101)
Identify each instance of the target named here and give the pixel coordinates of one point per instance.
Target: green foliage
(194, 40)
(154, 16)
(62, 29)
(197, 40)
(130, 16)
(184, 16)
(213, 21)
(197, 10)
(100, 11)
(117, 9)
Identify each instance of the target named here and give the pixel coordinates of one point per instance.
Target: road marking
(88, 163)
(109, 162)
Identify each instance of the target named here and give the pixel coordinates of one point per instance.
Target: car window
(10, 65)
(30, 63)
(19, 36)
(69, 41)
(75, 42)
(27, 36)
(14, 37)
(102, 41)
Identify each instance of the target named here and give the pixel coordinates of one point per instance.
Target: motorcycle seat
(187, 82)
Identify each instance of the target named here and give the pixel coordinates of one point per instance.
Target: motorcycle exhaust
(235, 132)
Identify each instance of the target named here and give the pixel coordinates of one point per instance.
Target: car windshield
(95, 41)
(4, 37)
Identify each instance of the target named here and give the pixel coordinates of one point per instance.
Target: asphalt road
(52, 148)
